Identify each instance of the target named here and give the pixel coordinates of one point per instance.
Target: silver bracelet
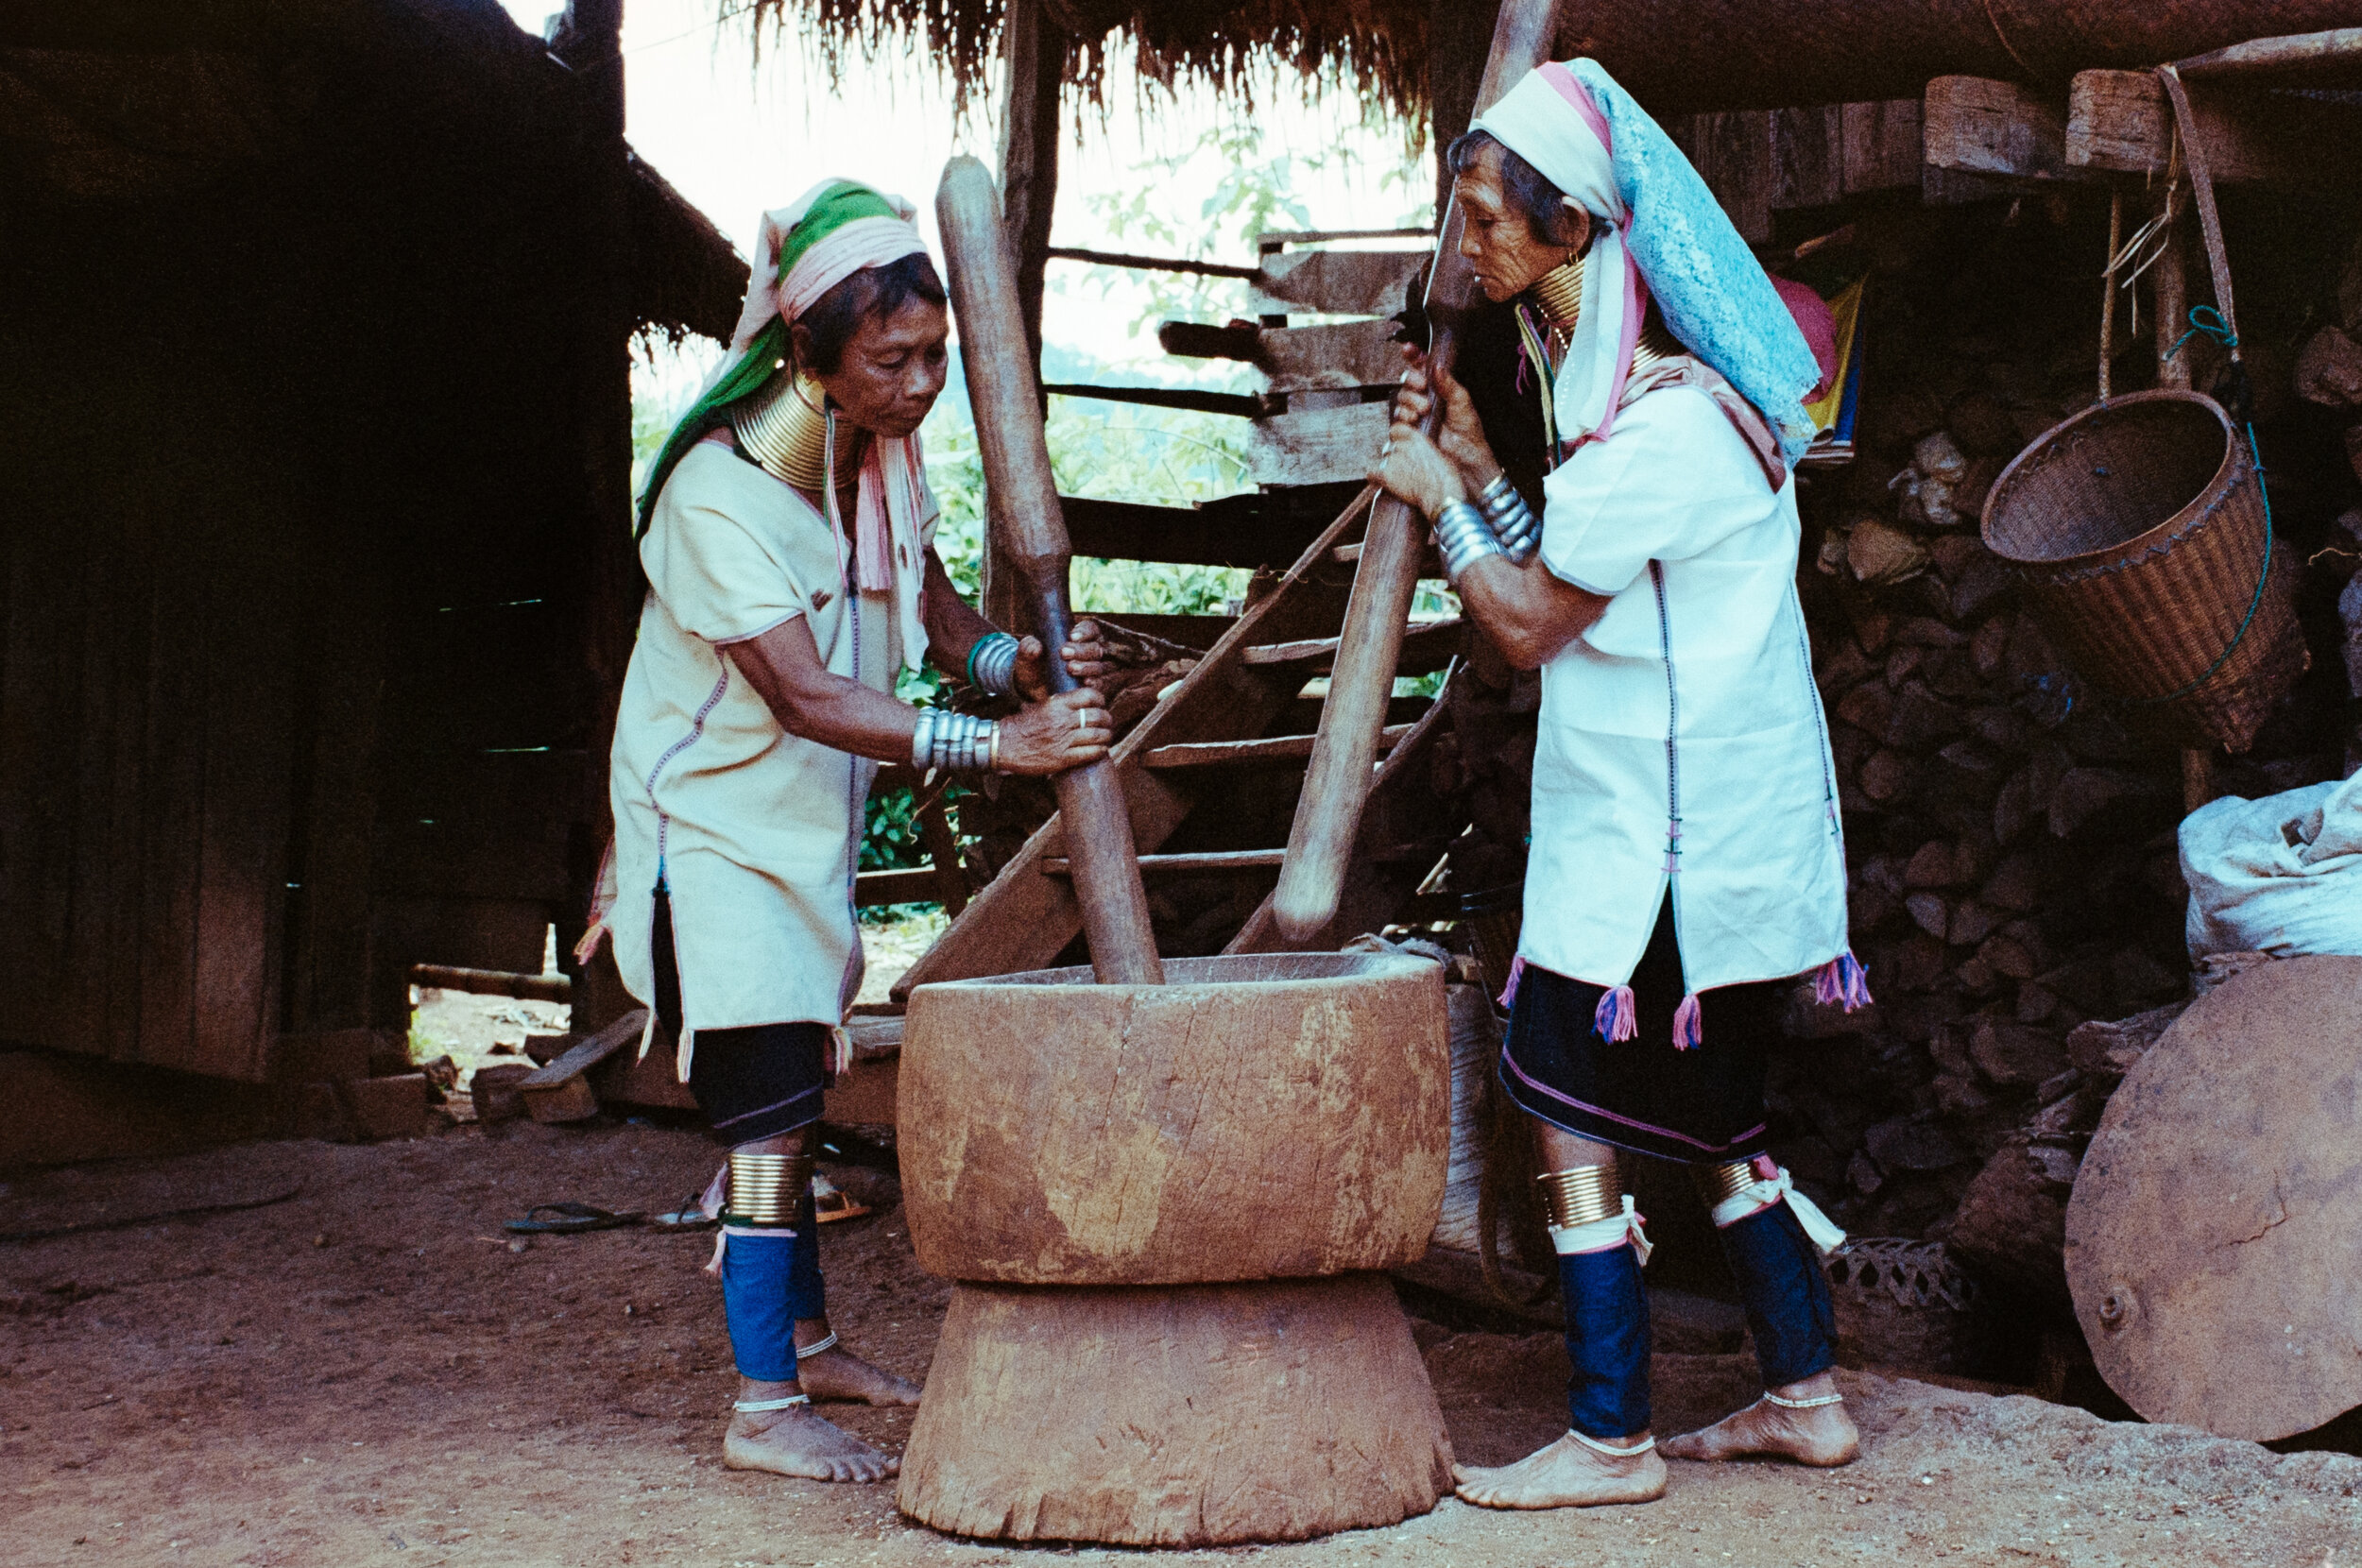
(1512, 521)
(1463, 538)
(992, 663)
(957, 743)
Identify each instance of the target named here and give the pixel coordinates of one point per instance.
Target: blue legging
(1788, 1312)
(768, 1282)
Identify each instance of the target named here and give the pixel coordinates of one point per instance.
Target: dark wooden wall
(304, 653)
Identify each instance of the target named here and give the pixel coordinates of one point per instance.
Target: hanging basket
(2140, 530)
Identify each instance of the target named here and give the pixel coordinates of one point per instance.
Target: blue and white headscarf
(1661, 232)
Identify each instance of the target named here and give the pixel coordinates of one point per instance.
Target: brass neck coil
(1719, 1183)
(784, 427)
(1557, 295)
(766, 1190)
(1581, 1195)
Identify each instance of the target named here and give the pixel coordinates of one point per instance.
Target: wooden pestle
(1361, 682)
(1005, 395)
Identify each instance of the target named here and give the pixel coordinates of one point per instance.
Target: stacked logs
(2011, 846)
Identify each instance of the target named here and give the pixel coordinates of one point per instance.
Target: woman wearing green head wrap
(786, 534)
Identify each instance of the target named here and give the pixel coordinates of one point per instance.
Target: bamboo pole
(1337, 781)
(1005, 395)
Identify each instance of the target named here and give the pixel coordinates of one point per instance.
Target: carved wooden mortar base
(1187, 1415)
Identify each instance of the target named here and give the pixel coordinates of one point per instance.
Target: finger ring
(1082, 718)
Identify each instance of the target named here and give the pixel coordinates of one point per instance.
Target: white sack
(2281, 876)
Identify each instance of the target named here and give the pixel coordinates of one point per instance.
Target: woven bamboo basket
(2141, 533)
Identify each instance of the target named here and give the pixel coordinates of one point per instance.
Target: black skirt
(753, 1082)
(1703, 1104)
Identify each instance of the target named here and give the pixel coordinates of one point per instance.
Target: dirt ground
(365, 1374)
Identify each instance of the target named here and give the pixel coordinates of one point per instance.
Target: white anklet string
(1597, 1446)
(1813, 1404)
(827, 1341)
(758, 1407)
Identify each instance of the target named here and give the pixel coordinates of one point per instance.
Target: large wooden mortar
(1166, 1206)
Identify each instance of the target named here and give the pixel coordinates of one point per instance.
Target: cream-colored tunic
(755, 832)
(1681, 742)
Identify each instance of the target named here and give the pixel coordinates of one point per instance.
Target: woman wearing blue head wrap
(1685, 860)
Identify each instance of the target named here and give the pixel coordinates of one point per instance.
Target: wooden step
(1429, 641)
(1225, 859)
(1424, 854)
(1277, 748)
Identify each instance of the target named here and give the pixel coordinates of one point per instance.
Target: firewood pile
(2011, 842)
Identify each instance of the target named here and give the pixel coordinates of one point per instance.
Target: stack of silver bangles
(955, 741)
(1514, 523)
(1463, 538)
(992, 663)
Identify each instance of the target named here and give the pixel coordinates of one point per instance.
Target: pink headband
(836, 256)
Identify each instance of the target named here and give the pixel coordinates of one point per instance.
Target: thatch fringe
(1375, 49)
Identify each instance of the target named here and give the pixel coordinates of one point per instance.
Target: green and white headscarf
(834, 229)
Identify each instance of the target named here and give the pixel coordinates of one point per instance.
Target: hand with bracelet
(1489, 538)
(1046, 735)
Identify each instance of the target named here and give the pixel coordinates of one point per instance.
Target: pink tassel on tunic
(1689, 1024)
(1614, 1017)
(1843, 979)
(1516, 973)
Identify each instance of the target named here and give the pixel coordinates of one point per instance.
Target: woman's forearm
(1528, 613)
(832, 710)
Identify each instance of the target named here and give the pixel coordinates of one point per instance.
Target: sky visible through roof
(737, 136)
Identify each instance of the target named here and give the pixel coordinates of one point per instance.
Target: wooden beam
(1237, 404)
(2119, 120)
(1245, 530)
(1732, 155)
(1149, 263)
(1034, 63)
(1885, 146)
(1976, 125)
(1807, 157)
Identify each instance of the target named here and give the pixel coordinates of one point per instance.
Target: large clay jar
(1166, 1206)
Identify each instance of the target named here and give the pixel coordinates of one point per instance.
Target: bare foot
(838, 1373)
(1824, 1434)
(1567, 1475)
(796, 1442)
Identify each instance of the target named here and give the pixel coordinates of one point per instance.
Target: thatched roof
(1378, 48)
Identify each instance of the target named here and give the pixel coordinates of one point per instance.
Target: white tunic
(756, 832)
(1680, 737)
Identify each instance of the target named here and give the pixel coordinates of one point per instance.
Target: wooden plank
(2119, 121)
(1426, 645)
(1336, 282)
(1318, 447)
(1884, 146)
(1732, 155)
(560, 1092)
(1278, 749)
(1336, 355)
(909, 885)
(493, 983)
(1976, 125)
(1034, 61)
(1022, 919)
(1807, 157)
(2334, 57)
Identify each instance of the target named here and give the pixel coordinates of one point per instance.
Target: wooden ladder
(1214, 717)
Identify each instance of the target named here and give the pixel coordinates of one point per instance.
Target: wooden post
(590, 42)
(1458, 35)
(1034, 60)
(2172, 298)
(1328, 814)
(1006, 394)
